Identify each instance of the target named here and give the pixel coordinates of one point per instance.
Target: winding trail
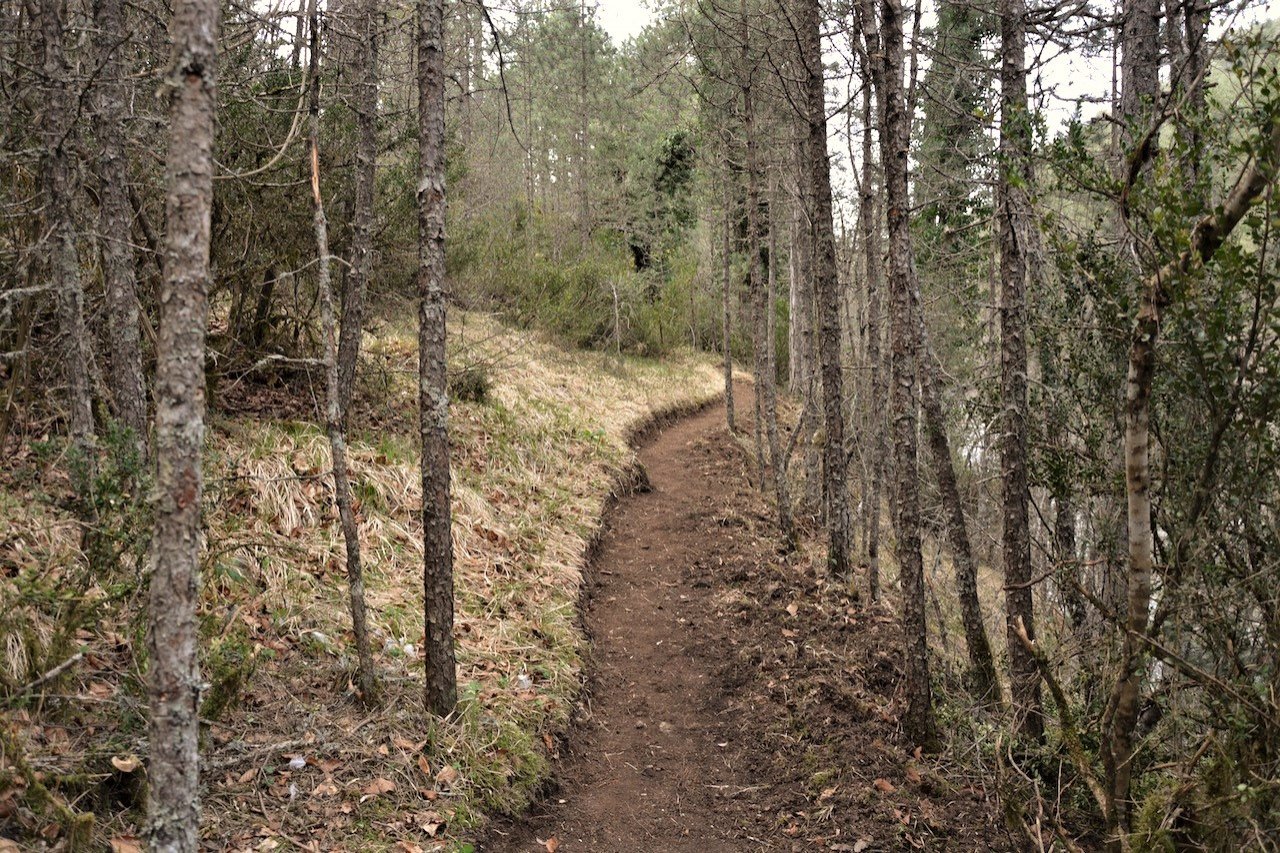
(654, 764)
(740, 699)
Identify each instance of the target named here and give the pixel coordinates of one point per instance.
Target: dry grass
(533, 469)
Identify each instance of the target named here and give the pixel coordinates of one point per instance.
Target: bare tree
(869, 219)
(128, 390)
(334, 410)
(57, 125)
(817, 173)
(174, 689)
(1013, 211)
(442, 676)
(368, 14)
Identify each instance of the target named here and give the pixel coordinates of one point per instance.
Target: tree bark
(174, 678)
(357, 282)
(827, 292)
(56, 126)
(983, 682)
(869, 215)
(334, 412)
(918, 721)
(441, 667)
(781, 488)
(115, 218)
(726, 257)
(1013, 210)
(754, 247)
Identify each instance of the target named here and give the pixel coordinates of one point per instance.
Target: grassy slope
(533, 469)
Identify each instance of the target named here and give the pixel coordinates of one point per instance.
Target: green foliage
(1206, 774)
(229, 664)
(588, 297)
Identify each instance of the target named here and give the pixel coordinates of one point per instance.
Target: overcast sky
(623, 18)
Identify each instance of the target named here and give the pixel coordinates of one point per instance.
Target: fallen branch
(50, 675)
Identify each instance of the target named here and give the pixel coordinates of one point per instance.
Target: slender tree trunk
(782, 493)
(366, 178)
(1013, 210)
(584, 124)
(754, 247)
(115, 218)
(56, 123)
(984, 684)
(174, 688)
(869, 215)
(441, 675)
(918, 721)
(827, 291)
(795, 314)
(811, 381)
(726, 256)
(334, 413)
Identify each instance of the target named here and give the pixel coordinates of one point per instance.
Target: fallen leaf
(447, 776)
(247, 776)
(121, 844)
(913, 775)
(884, 786)
(325, 789)
(408, 847)
(553, 844)
(793, 608)
(126, 763)
(405, 743)
(424, 766)
(379, 786)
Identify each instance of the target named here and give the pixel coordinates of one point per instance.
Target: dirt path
(719, 717)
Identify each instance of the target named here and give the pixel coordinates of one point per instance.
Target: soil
(739, 700)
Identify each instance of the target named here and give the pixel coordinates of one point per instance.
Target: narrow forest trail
(653, 764)
(698, 732)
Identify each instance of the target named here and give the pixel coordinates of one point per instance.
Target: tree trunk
(128, 389)
(869, 216)
(334, 412)
(983, 681)
(918, 721)
(827, 292)
(1013, 210)
(755, 254)
(795, 313)
(357, 282)
(781, 488)
(56, 124)
(174, 688)
(441, 666)
(726, 256)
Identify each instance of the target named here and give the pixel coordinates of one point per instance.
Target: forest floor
(739, 699)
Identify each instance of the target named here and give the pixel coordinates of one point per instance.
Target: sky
(623, 18)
